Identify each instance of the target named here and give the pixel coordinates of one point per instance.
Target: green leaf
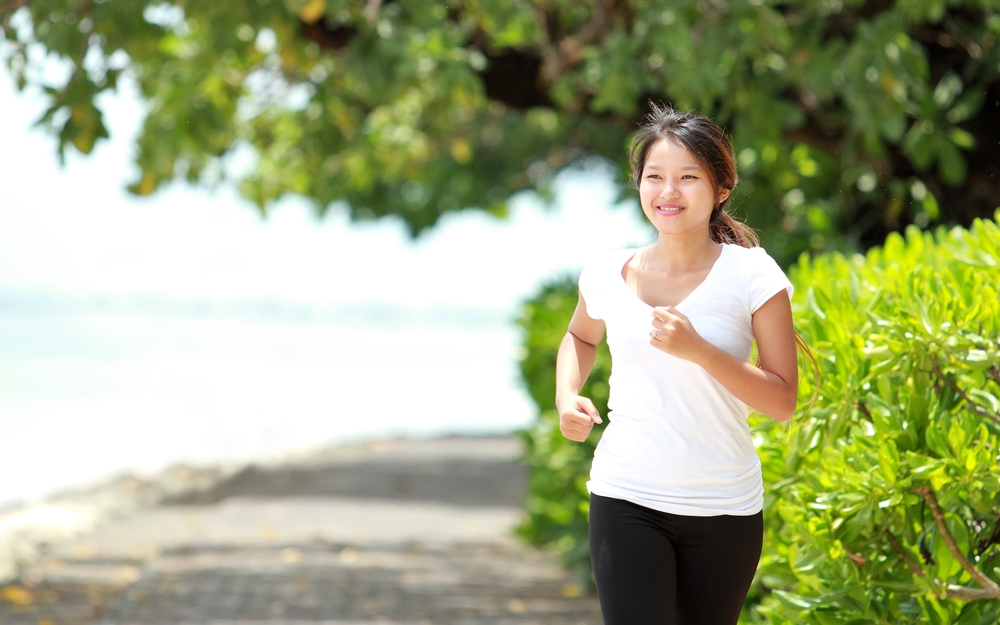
(889, 461)
(987, 400)
(962, 138)
(966, 107)
(947, 89)
(951, 163)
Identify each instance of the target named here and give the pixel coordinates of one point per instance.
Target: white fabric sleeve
(766, 280)
(590, 290)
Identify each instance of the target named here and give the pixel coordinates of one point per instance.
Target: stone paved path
(392, 532)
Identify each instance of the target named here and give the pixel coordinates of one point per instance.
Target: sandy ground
(391, 531)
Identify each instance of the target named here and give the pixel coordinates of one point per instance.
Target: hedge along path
(883, 501)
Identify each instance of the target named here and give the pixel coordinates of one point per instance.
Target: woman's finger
(590, 410)
(666, 313)
(676, 313)
(576, 432)
(577, 419)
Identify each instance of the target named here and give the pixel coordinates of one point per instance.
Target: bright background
(137, 333)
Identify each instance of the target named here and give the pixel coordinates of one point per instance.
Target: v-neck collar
(690, 296)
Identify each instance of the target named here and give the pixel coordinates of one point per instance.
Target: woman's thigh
(634, 564)
(657, 568)
(716, 561)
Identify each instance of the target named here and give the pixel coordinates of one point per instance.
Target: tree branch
(979, 410)
(567, 53)
(371, 10)
(863, 409)
(857, 558)
(965, 41)
(991, 587)
(952, 591)
(6, 8)
(905, 555)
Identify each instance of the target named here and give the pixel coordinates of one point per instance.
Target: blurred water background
(136, 334)
(92, 386)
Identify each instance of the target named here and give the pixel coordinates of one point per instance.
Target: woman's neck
(672, 253)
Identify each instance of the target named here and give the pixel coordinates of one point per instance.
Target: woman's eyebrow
(684, 167)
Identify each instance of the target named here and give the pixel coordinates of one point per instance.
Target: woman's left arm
(771, 389)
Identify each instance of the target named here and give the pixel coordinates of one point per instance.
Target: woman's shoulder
(754, 263)
(749, 257)
(603, 268)
(746, 252)
(598, 278)
(608, 258)
(761, 273)
(624, 252)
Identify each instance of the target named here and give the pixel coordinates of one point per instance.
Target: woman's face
(676, 191)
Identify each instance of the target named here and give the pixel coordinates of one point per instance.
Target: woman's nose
(669, 189)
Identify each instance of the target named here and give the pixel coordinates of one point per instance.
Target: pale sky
(76, 230)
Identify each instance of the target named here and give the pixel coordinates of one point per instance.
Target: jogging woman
(676, 490)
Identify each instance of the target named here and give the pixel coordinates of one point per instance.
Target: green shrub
(883, 497)
(884, 500)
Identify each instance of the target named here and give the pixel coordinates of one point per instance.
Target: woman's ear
(723, 195)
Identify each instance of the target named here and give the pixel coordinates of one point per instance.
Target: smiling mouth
(669, 210)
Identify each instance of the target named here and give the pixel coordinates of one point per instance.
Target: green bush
(883, 497)
(884, 500)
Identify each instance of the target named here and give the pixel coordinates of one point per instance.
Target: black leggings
(656, 568)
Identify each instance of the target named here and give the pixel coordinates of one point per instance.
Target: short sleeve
(766, 279)
(590, 290)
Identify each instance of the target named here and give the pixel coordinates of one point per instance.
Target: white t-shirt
(677, 440)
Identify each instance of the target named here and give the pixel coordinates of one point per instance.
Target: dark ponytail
(724, 229)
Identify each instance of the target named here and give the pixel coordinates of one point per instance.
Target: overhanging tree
(850, 118)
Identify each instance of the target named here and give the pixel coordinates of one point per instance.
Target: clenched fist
(577, 416)
(673, 333)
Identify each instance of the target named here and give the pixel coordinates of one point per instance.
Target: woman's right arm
(577, 414)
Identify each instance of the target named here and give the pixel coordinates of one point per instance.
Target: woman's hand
(577, 416)
(673, 333)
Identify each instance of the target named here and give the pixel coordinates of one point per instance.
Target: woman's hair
(710, 145)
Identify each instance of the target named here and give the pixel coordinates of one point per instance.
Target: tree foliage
(882, 497)
(850, 118)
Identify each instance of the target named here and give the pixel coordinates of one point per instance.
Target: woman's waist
(642, 401)
(741, 499)
(665, 444)
(686, 477)
(672, 416)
